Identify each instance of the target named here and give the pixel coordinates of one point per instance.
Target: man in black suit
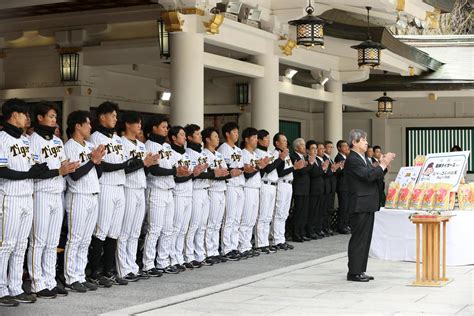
(342, 189)
(362, 177)
(330, 181)
(380, 182)
(301, 183)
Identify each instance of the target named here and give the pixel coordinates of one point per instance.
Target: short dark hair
(76, 117)
(154, 120)
(228, 127)
(14, 105)
(248, 132)
(311, 142)
(262, 134)
(174, 131)
(377, 147)
(319, 143)
(207, 132)
(277, 138)
(130, 117)
(340, 143)
(369, 146)
(456, 148)
(190, 129)
(42, 108)
(107, 107)
(327, 142)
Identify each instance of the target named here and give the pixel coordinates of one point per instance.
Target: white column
(187, 78)
(265, 94)
(333, 113)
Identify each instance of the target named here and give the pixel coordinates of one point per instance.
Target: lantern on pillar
(69, 63)
(163, 40)
(309, 29)
(243, 95)
(368, 52)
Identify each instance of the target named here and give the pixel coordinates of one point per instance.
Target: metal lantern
(368, 52)
(69, 63)
(164, 40)
(384, 105)
(243, 94)
(309, 29)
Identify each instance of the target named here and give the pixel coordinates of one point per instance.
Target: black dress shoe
(306, 238)
(321, 234)
(297, 238)
(367, 276)
(313, 236)
(357, 278)
(344, 231)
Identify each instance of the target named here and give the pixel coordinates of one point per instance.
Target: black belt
(287, 181)
(270, 183)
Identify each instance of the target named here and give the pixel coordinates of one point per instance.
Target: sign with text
(445, 168)
(407, 175)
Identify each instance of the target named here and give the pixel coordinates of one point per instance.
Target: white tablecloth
(394, 237)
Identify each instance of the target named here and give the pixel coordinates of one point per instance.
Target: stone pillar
(333, 113)
(187, 78)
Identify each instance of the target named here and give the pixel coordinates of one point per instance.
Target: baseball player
(182, 194)
(47, 202)
(267, 191)
(253, 182)
(81, 199)
(17, 170)
(159, 196)
(235, 192)
(135, 185)
(217, 190)
(283, 194)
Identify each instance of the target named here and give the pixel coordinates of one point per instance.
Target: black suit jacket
(362, 184)
(317, 179)
(381, 182)
(301, 180)
(341, 179)
(330, 179)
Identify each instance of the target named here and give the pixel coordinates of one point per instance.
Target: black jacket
(341, 180)
(330, 180)
(317, 175)
(301, 179)
(362, 182)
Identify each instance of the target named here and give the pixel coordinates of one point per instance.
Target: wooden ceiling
(70, 6)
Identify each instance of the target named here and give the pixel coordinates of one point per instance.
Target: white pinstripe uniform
(183, 198)
(82, 207)
(194, 243)
(16, 213)
(217, 190)
(251, 204)
(282, 204)
(234, 198)
(135, 185)
(267, 201)
(48, 214)
(112, 195)
(160, 210)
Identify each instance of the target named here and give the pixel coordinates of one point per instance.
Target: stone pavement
(319, 287)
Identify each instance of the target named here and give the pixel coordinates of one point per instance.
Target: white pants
(233, 214)
(265, 214)
(111, 211)
(282, 208)
(16, 215)
(160, 211)
(44, 239)
(127, 242)
(214, 222)
(197, 226)
(249, 218)
(182, 215)
(82, 211)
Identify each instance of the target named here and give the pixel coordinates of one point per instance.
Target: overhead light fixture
(384, 104)
(69, 63)
(165, 96)
(243, 95)
(289, 73)
(287, 49)
(368, 52)
(309, 29)
(163, 40)
(212, 27)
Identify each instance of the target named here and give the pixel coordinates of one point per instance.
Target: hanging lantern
(368, 52)
(69, 63)
(309, 29)
(163, 40)
(384, 105)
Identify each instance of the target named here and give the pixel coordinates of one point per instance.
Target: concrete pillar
(333, 113)
(187, 78)
(265, 94)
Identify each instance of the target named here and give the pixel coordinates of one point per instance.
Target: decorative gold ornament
(173, 21)
(212, 27)
(287, 49)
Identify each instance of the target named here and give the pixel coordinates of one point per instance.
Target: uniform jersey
(180, 160)
(250, 158)
(198, 158)
(273, 175)
(233, 159)
(216, 160)
(113, 154)
(131, 149)
(89, 183)
(52, 152)
(288, 164)
(15, 154)
(166, 161)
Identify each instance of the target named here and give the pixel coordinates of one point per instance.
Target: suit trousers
(343, 211)
(300, 214)
(314, 224)
(362, 225)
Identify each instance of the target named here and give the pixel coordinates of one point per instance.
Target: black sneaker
(100, 280)
(254, 253)
(77, 287)
(289, 246)
(59, 291)
(282, 246)
(45, 293)
(142, 276)
(188, 265)
(273, 248)
(8, 301)
(153, 272)
(131, 277)
(196, 264)
(245, 254)
(232, 256)
(220, 258)
(115, 279)
(264, 250)
(25, 298)
(170, 270)
(180, 267)
(89, 286)
(209, 261)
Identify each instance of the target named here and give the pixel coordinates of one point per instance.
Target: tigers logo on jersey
(288, 161)
(137, 154)
(235, 157)
(184, 163)
(20, 150)
(51, 151)
(165, 154)
(202, 160)
(85, 156)
(219, 163)
(253, 163)
(111, 148)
